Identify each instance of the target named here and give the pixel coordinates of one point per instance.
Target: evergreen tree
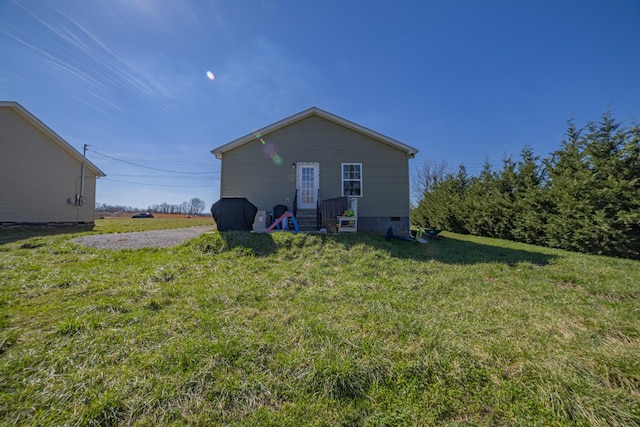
(613, 155)
(480, 203)
(594, 189)
(530, 201)
(585, 196)
(441, 206)
(505, 202)
(570, 184)
(490, 201)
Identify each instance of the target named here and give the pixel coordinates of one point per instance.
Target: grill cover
(233, 213)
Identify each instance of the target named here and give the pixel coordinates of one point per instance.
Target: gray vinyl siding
(37, 176)
(249, 170)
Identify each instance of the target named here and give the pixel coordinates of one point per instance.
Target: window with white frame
(352, 179)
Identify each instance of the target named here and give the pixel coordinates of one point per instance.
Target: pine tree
(530, 201)
(585, 196)
(594, 190)
(570, 194)
(441, 206)
(613, 155)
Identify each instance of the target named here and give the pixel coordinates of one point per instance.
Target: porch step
(307, 219)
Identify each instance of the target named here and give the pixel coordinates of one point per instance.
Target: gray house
(316, 164)
(43, 179)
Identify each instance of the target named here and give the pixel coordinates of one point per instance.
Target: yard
(309, 329)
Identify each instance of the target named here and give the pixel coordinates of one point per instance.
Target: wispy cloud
(167, 16)
(112, 55)
(94, 64)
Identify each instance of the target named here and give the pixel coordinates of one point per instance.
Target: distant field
(119, 225)
(283, 329)
(107, 215)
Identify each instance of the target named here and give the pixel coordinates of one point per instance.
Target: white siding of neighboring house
(38, 176)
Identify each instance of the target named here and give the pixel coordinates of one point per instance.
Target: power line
(95, 150)
(195, 178)
(155, 185)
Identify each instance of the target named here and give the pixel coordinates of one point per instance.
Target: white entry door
(308, 183)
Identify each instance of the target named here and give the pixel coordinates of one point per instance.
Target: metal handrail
(318, 219)
(295, 203)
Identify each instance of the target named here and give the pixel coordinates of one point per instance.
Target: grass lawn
(308, 329)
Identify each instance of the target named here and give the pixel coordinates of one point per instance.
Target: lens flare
(269, 150)
(210, 76)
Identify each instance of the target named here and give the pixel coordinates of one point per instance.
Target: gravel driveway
(142, 239)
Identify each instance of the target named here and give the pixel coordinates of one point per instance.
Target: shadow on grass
(453, 250)
(18, 234)
(257, 244)
(450, 250)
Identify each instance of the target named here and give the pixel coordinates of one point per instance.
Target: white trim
(316, 184)
(342, 180)
(219, 151)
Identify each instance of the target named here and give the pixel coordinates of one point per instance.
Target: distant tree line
(193, 207)
(583, 197)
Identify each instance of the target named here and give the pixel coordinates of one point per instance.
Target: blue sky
(463, 81)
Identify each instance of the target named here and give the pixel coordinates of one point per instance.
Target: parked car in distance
(143, 215)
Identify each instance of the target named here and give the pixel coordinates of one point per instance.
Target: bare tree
(429, 174)
(196, 206)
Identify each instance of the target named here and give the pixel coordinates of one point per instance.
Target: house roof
(24, 113)
(314, 111)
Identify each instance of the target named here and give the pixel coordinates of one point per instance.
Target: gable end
(219, 151)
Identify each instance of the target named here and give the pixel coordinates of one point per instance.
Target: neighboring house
(315, 156)
(43, 179)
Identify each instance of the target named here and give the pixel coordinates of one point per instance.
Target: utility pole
(80, 199)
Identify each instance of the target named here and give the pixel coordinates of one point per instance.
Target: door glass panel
(307, 185)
